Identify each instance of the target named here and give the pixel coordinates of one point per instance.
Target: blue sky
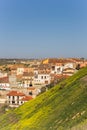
(43, 28)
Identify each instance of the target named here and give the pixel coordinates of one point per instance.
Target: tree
(78, 67)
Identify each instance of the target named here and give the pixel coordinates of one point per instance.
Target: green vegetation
(64, 107)
(3, 109)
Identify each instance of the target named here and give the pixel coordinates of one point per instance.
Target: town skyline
(43, 29)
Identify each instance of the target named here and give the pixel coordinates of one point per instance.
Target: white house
(42, 79)
(4, 83)
(69, 65)
(27, 79)
(56, 69)
(69, 71)
(13, 80)
(34, 91)
(3, 74)
(14, 98)
(20, 71)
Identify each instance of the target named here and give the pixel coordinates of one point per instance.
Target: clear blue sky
(43, 28)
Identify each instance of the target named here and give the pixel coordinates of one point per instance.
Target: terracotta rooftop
(27, 98)
(4, 80)
(31, 88)
(63, 60)
(43, 72)
(58, 76)
(15, 93)
(28, 74)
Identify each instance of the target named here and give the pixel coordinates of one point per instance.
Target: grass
(60, 108)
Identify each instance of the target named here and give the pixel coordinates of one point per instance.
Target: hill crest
(62, 107)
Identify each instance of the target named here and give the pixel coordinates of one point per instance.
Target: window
(30, 93)
(17, 97)
(13, 102)
(30, 83)
(53, 67)
(41, 77)
(36, 76)
(58, 69)
(45, 77)
(13, 97)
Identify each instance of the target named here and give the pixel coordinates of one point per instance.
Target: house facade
(33, 91)
(4, 83)
(20, 71)
(27, 79)
(42, 79)
(56, 69)
(14, 98)
(69, 71)
(26, 99)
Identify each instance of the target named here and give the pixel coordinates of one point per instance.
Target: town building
(16, 98)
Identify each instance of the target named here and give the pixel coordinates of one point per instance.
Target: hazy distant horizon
(38, 58)
(42, 29)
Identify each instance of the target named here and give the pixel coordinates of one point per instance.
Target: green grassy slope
(63, 107)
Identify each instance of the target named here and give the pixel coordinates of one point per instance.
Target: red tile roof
(27, 98)
(15, 93)
(4, 80)
(28, 74)
(31, 88)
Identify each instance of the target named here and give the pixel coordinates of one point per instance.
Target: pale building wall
(20, 71)
(42, 78)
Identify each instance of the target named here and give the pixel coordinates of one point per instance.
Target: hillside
(63, 107)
